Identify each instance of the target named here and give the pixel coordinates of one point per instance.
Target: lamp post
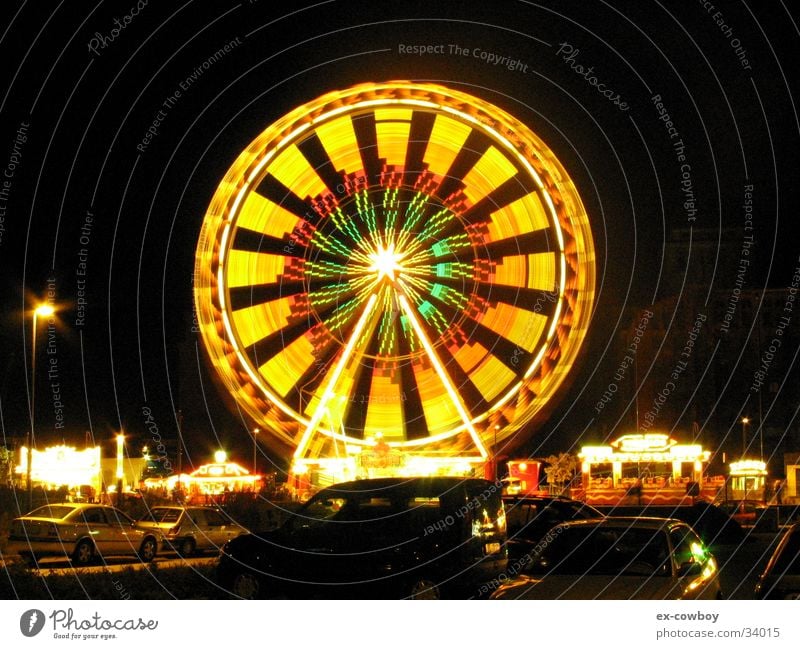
(745, 421)
(495, 477)
(256, 431)
(178, 485)
(43, 311)
(120, 469)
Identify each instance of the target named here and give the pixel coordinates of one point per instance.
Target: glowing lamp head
(44, 311)
(220, 457)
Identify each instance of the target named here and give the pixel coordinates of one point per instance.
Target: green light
(699, 552)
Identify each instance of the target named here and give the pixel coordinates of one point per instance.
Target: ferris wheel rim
(257, 171)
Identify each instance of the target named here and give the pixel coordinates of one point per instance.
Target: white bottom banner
(356, 624)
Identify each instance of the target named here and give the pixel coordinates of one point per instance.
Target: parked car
(617, 558)
(711, 523)
(187, 530)
(781, 577)
(529, 518)
(81, 531)
(384, 537)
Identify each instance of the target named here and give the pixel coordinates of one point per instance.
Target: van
(420, 537)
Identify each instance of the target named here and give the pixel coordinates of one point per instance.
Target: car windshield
(388, 507)
(52, 511)
(601, 550)
(162, 515)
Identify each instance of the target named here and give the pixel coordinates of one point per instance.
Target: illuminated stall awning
(748, 468)
(61, 465)
(644, 447)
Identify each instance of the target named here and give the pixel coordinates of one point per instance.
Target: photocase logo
(31, 622)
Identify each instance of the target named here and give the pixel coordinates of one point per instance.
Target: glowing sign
(643, 442)
(648, 447)
(748, 468)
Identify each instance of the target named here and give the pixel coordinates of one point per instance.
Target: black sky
(72, 120)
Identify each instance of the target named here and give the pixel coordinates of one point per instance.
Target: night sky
(116, 131)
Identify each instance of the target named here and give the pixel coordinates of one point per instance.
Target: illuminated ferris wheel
(396, 261)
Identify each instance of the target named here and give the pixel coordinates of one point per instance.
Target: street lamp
(745, 421)
(41, 311)
(120, 469)
(494, 454)
(256, 431)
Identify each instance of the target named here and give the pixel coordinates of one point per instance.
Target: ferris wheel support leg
(337, 372)
(443, 376)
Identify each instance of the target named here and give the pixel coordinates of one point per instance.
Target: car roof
(638, 522)
(548, 499)
(75, 505)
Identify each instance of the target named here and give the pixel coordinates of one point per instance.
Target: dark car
(781, 577)
(711, 523)
(384, 537)
(617, 558)
(531, 517)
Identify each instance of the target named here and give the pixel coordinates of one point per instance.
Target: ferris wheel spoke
(433, 225)
(502, 196)
(418, 137)
(276, 192)
(314, 152)
(539, 242)
(367, 139)
(275, 342)
(254, 241)
(532, 300)
(472, 151)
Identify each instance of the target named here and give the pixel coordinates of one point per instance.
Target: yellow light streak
(247, 268)
(446, 140)
(293, 170)
(262, 215)
(339, 141)
(491, 171)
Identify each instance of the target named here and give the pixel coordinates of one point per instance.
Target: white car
(187, 530)
(616, 558)
(81, 531)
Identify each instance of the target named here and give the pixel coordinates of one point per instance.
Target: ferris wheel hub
(386, 262)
